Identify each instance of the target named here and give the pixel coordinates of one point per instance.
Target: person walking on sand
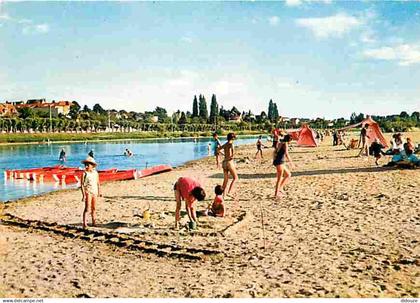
(363, 140)
(216, 149)
(228, 164)
(189, 190)
(282, 172)
(376, 150)
(90, 189)
(259, 147)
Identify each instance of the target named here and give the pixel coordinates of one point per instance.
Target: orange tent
(304, 136)
(373, 131)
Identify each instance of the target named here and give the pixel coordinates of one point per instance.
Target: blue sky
(313, 58)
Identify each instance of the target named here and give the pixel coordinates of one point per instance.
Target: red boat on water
(72, 175)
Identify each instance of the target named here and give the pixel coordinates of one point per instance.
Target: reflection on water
(109, 155)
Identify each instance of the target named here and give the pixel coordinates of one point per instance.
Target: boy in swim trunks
(228, 164)
(189, 190)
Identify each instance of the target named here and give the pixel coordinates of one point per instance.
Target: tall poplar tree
(275, 112)
(195, 107)
(202, 106)
(214, 109)
(270, 110)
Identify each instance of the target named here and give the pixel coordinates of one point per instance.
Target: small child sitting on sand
(217, 209)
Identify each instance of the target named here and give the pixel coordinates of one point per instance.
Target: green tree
(74, 109)
(161, 113)
(195, 107)
(202, 106)
(270, 110)
(86, 109)
(182, 119)
(97, 108)
(353, 118)
(404, 115)
(415, 116)
(214, 109)
(275, 112)
(26, 112)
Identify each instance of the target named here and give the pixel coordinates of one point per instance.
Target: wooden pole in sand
(262, 212)
(262, 222)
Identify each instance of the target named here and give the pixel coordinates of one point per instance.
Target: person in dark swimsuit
(283, 173)
(259, 147)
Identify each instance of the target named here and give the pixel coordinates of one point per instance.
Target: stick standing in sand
(283, 173)
(90, 189)
(228, 164)
(189, 190)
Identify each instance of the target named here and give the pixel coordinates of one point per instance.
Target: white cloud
(42, 28)
(300, 2)
(186, 39)
(367, 37)
(227, 87)
(274, 20)
(36, 28)
(332, 26)
(404, 54)
(293, 2)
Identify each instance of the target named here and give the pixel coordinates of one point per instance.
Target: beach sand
(346, 228)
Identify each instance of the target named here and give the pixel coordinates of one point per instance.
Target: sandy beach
(345, 228)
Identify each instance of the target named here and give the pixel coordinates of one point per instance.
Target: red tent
(304, 136)
(373, 131)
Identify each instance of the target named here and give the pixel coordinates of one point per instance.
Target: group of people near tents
(372, 142)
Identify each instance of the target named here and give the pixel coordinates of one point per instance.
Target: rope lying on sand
(120, 240)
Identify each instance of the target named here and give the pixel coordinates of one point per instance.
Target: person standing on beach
(90, 189)
(218, 144)
(283, 173)
(275, 133)
(228, 164)
(259, 147)
(189, 190)
(363, 141)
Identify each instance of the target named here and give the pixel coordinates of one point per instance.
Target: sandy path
(345, 228)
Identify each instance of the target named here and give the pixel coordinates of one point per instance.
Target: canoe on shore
(72, 175)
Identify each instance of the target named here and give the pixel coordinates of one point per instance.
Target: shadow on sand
(312, 172)
(147, 198)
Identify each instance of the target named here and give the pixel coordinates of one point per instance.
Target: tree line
(198, 119)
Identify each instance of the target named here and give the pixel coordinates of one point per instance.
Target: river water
(147, 153)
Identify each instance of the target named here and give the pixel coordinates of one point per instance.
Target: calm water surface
(109, 155)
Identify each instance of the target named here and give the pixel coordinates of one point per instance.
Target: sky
(318, 58)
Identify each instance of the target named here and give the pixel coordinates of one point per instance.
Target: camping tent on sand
(304, 136)
(373, 131)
